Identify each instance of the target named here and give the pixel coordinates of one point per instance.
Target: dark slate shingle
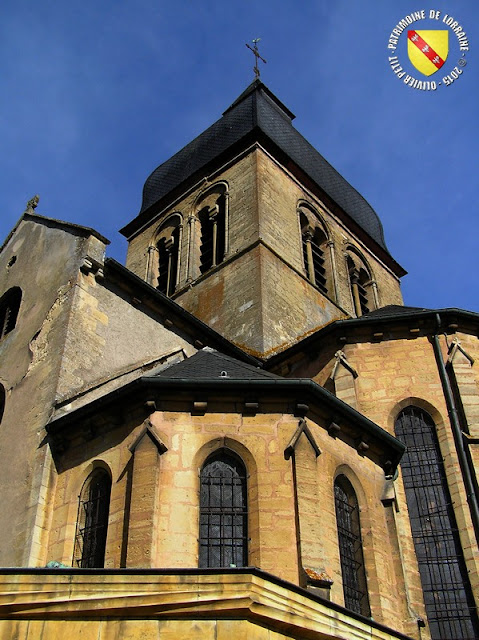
(393, 310)
(258, 109)
(208, 363)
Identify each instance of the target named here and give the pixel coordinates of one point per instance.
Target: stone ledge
(244, 595)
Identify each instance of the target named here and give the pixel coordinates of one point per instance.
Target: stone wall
(154, 513)
(260, 297)
(44, 262)
(399, 369)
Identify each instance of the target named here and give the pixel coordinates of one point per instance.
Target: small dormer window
(9, 308)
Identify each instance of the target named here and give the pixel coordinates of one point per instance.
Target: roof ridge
(212, 364)
(258, 86)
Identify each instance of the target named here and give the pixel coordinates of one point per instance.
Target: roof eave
(258, 135)
(211, 337)
(393, 320)
(306, 389)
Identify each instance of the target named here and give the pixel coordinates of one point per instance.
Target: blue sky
(95, 95)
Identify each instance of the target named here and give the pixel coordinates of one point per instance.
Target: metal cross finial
(256, 54)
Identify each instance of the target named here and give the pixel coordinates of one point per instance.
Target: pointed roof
(257, 114)
(209, 363)
(394, 310)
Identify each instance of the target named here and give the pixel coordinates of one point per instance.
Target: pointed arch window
(223, 512)
(314, 241)
(168, 241)
(9, 308)
(213, 214)
(92, 522)
(446, 587)
(350, 547)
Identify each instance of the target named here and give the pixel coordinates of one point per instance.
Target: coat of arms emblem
(428, 49)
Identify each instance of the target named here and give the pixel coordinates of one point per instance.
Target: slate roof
(258, 110)
(209, 363)
(393, 310)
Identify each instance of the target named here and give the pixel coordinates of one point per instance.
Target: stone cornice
(247, 594)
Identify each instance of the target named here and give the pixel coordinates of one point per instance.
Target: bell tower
(249, 228)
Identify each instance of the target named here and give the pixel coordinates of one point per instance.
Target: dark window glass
(447, 592)
(358, 278)
(213, 234)
(206, 247)
(350, 547)
(2, 401)
(92, 522)
(168, 258)
(9, 308)
(314, 261)
(223, 512)
(363, 296)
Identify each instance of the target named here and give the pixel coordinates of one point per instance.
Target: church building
(243, 433)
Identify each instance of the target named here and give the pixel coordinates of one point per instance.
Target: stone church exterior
(243, 433)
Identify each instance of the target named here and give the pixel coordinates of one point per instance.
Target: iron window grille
(350, 548)
(92, 522)
(223, 513)
(447, 591)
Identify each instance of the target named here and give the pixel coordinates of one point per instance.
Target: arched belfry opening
(315, 252)
(361, 283)
(212, 213)
(168, 246)
(266, 223)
